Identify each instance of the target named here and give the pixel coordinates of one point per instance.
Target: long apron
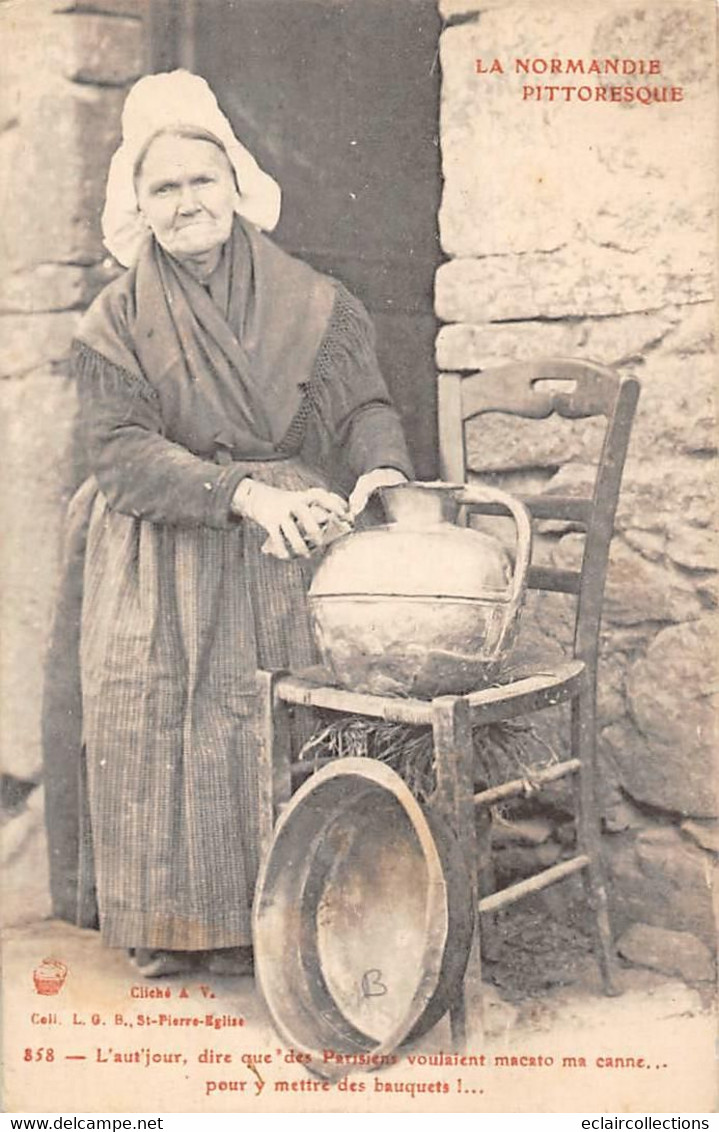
(175, 622)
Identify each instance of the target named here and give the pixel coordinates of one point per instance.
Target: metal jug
(421, 606)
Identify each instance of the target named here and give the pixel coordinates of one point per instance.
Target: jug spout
(419, 505)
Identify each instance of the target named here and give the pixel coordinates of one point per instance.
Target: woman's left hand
(369, 483)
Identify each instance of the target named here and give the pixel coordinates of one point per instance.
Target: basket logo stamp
(49, 976)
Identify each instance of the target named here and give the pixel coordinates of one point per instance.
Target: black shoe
(154, 964)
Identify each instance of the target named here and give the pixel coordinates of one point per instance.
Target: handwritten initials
(372, 985)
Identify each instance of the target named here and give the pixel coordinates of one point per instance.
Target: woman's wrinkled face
(186, 191)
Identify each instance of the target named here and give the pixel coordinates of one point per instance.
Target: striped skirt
(175, 623)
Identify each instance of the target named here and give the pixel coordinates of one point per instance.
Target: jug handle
(474, 493)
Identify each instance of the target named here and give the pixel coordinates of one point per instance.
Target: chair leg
(486, 883)
(454, 802)
(469, 1004)
(588, 830)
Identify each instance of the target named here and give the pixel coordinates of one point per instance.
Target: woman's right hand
(294, 520)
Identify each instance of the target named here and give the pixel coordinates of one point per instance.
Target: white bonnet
(159, 102)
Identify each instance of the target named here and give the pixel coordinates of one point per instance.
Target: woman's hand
(294, 520)
(369, 483)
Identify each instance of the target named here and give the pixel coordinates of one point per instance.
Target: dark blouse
(345, 425)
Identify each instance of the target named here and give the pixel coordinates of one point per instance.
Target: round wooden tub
(362, 922)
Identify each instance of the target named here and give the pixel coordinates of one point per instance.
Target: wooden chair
(578, 390)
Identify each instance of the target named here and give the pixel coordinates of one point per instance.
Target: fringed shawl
(230, 362)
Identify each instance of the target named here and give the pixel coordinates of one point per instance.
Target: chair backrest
(578, 389)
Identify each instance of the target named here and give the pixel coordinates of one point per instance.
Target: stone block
(105, 50)
(29, 34)
(631, 219)
(611, 702)
(25, 872)
(647, 543)
(694, 548)
(655, 493)
(613, 341)
(705, 834)
(673, 695)
(708, 590)
(53, 287)
(57, 218)
(579, 280)
(631, 640)
(31, 341)
(693, 331)
(636, 590)
(38, 419)
(619, 815)
(648, 775)
(523, 197)
(660, 879)
(451, 8)
(672, 32)
(49, 287)
(134, 9)
(671, 952)
(677, 410)
(471, 112)
(497, 442)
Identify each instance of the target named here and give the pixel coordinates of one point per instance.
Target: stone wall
(585, 229)
(66, 65)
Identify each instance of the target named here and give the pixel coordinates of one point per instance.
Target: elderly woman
(220, 380)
